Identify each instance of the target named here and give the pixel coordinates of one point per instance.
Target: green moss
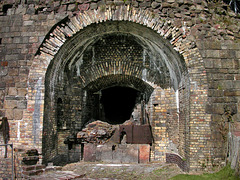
(225, 173)
(219, 87)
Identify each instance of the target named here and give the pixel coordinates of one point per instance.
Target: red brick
(4, 63)
(144, 153)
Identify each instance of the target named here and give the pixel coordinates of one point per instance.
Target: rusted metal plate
(142, 134)
(137, 134)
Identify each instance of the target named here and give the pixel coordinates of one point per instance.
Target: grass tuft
(225, 173)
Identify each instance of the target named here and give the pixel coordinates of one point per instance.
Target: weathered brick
(13, 64)
(28, 23)
(33, 39)
(13, 71)
(11, 57)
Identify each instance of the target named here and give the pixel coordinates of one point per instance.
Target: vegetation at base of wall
(225, 173)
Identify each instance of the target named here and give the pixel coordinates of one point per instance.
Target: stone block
(208, 63)
(11, 57)
(117, 155)
(28, 23)
(89, 154)
(212, 45)
(18, 114)
(12, 91)
(23, 71)
(21, 9)
(145, 4)
(71, 7)
(10, 104)
(13, 71)
(226, 54)
(232, 93)
(132, 153)
(83, 7)
(93, 6)
(155, 5)
(238, 54)
(166, 5)
(215, 93)
(217, 108)
(62, 8)
(104, 153)
(227, 84)
(236, 84)
(17, 40)
(9, 114)
(99, 153)
(74, 154)
(31, 9)
(125, 157)
(118, 3)
(33, 39)
(22, 91)
(3, 72)
(42, 17)
(129, 153)
(213, 53)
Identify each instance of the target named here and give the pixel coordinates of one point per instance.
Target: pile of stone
(96, 132)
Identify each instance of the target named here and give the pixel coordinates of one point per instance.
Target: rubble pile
(96, 132)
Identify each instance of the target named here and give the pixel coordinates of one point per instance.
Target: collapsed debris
(123, 143)
(99, 132)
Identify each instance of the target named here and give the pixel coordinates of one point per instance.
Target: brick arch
(102, 69)
(122, 80)
(60, 34)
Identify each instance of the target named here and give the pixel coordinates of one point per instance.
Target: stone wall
(222, 66)
(204, 35)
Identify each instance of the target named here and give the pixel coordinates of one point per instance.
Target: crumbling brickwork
(57, 57)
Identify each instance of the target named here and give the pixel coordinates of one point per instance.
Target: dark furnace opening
(118, 103)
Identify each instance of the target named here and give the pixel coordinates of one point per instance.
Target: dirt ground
(124, 171)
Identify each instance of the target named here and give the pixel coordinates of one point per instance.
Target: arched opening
(122, 71)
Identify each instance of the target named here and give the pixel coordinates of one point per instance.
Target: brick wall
(176, 159)
(34, 45)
